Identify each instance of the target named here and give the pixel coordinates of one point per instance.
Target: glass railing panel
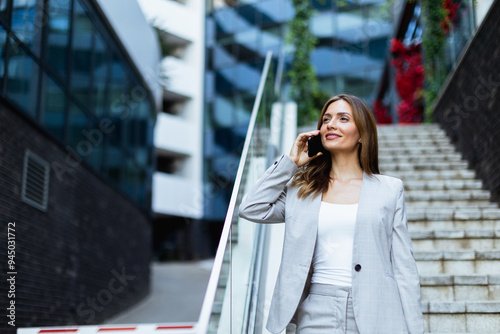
(461, 31)
(229, 301)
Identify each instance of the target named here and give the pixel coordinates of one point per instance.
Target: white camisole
(332, 260)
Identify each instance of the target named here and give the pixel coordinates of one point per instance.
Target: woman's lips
(332, 136)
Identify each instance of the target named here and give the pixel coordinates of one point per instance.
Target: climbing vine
(433, 40)
(304, 86)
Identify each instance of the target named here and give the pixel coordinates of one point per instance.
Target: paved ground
(177, 291)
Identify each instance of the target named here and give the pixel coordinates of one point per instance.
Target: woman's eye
(325, 120)
(344, 118)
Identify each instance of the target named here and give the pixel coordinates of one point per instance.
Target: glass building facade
(353, 38)
(62, 67)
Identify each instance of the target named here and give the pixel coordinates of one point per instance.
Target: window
(27, 23)
(101, 71)
(53, 108)
(81, 55)
(58, 35)
(22, 78)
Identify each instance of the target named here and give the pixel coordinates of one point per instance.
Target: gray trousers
(327, 310)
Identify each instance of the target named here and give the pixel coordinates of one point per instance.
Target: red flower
(409, 78)
(451, 8)
(381, 112)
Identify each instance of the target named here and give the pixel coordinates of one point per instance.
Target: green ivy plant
(433, 40)
(303, 80)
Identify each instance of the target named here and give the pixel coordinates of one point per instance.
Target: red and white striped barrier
(170, 328)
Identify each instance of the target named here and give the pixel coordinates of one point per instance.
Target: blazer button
(357, 268)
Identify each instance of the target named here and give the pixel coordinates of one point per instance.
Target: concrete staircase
(454, 227)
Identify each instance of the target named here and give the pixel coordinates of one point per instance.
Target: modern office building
(78, 104)
(349, 57)
(177, 183)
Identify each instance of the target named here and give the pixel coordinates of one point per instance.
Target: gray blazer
(385, 281)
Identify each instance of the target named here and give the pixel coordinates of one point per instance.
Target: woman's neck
(345, 167)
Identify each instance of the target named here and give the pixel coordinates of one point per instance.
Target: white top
(332, 260)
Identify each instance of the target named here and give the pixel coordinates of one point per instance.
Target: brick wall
(469, 107)
(83, 260)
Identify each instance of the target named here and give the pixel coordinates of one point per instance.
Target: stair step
(434, 165)
(419, 158)
(417, 213)
(386, 135)
(462, 317)
(408, 128)
(422, 225)
(432, 175)
(458, 262)
(411, 185)
(411, 142)
(450, 288)
(411, 150)
(450, 204)
(446, 195)
(431, 240)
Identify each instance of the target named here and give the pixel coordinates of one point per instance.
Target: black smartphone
(314, 146)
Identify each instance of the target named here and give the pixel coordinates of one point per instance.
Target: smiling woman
(347, 259)
(349, 135)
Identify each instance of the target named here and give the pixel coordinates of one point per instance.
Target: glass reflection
(117, 87)
(80, 138)
(22, 78)
(53, 108)
(114, 153)
(58, 35)
(96, 158)
(101, 73)
(130, 177)
(27, 23)
(82, 55)
(3, 42)
(3, 9)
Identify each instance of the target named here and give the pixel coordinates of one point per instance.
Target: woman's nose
(331, 124)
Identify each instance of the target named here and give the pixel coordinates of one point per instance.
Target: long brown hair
(314, 177)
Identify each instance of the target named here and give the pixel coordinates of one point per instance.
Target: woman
(347, 263)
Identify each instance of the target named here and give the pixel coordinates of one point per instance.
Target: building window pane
(350, 26)
(101, 76)
(114, 158)
(79, 136)
(224, 80)
(27, 22)
(223, 112)
(99, 128)
(53, 107)
(82, 55)
(117, 88)
(271, 40)
(58, 35)
(3, 42)
(248, 42)
(142, 128)
(3, 10)
(22, 78)
(130, 178)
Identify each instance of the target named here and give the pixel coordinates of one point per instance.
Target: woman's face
(338, 130)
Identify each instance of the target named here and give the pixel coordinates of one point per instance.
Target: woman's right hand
(298, 153)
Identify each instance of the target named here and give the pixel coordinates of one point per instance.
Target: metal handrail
(206, 309)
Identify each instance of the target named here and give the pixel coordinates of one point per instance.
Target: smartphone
(314, 146)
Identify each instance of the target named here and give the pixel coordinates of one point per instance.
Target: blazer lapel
(365, 213)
